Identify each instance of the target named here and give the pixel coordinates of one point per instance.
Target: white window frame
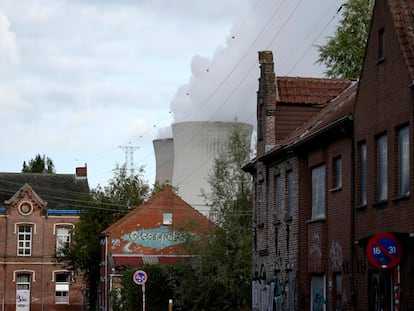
(318, 191)
(338, 172)
(363, 174)
(404, 160)
(62, 288)
(63, 239)
(24, 240)
(382, 168)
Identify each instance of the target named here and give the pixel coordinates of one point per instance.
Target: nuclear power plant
(186, 159)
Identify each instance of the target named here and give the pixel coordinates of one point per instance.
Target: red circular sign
(140, 277)
(384, 250)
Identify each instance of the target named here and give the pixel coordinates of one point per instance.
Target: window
(167, 218)
(278, 197)
(62, 240)
(62, 288)
(337, 172)
(24, 241)
(261, 202)
(289, 185)
(382, 168)
(291, 290)
(318, 293)
(363, 174)
(381, 44)
(318, 192)
(23, 291)
(404, 161)
(338, 291)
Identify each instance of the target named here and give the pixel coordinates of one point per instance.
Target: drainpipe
(106, 273)
(352, 233)
(5, 264)
(43, 262)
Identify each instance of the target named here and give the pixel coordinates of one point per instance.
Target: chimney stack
(82, 172)
(266, 103)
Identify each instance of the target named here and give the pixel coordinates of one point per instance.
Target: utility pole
(129, 157)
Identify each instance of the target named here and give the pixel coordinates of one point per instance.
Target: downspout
(5, 263)
(352, 233)
(106, 273)
(43, 261)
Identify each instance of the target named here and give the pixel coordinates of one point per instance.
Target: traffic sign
(140, 277)
(384, 250)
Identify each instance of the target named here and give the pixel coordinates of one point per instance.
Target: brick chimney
(266, 104)
(82, 172)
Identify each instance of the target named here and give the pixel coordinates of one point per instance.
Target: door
(380, 291)
(23, 292)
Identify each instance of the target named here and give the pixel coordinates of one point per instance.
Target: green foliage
(223, 268)
(102, 208)
(344, 52)
(39, 164)
(162, 284)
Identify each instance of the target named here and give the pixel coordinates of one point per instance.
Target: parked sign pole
(140, 277)
(143, 297)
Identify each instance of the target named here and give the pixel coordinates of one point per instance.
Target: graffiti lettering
(157, 238)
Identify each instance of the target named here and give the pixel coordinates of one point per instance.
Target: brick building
(294, 137)
(37, 212)
(341, 182)
(149, 234)
(384, 213)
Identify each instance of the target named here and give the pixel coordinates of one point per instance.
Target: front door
(380, 290)
(23, 292)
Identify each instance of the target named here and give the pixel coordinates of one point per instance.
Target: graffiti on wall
(157, 238)
(318, 301)
(315, 246)
(335, 253)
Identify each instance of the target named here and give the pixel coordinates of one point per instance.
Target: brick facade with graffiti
(332, 216)
(152, 233)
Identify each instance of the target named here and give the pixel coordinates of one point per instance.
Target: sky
(84, 81)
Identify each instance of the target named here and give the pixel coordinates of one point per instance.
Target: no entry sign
(384, 250)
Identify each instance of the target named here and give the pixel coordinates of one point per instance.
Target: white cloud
(83, 76)
(8, 45)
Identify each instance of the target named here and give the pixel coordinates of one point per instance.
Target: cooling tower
(164, 160)
(196, 146)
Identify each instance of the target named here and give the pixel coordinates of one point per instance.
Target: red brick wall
(41, 264)
(385, 102)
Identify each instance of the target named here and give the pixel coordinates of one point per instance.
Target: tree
(344, 52)
(39, 164)
(162, 284)
(223, 268)
(103, 207)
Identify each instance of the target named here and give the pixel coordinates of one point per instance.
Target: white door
(23, 292)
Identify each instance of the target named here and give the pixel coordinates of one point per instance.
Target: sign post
(140, 277)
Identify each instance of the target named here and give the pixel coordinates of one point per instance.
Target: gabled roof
(340, 109)
(402, 12)
(144, 215)
(60, 191)
(299, 90)
(143, 233)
